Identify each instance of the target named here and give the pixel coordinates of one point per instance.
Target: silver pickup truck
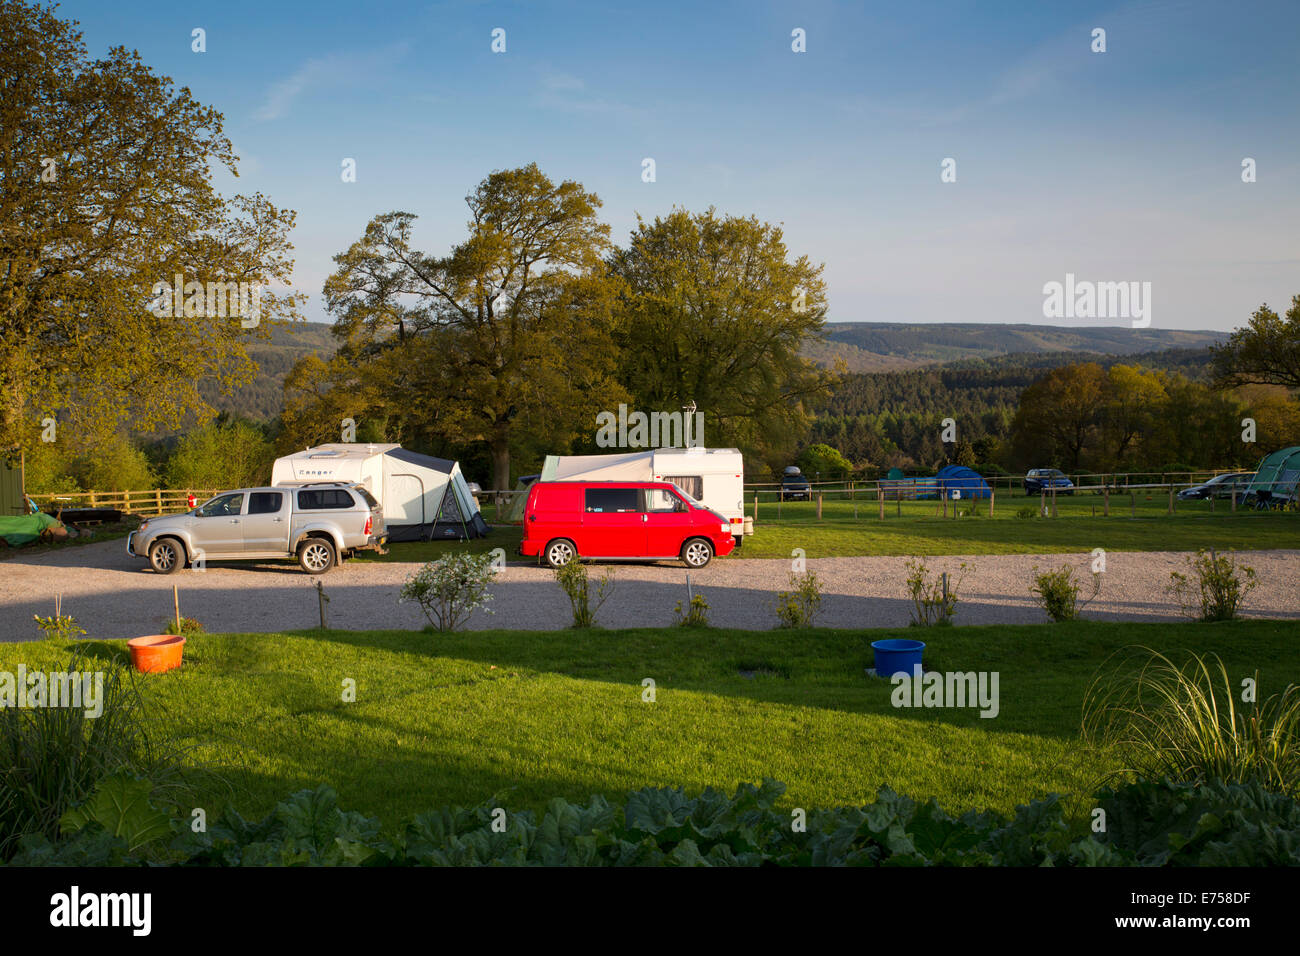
(317, 523)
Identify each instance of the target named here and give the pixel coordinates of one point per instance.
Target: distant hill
(864, 347)
(263, 398)
(892, 347)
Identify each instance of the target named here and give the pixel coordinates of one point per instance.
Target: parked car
(1220, 486)
(1038, 480)
(316, 523)
(624, 520)
(794, 486)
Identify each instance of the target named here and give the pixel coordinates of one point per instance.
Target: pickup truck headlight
(144, 526)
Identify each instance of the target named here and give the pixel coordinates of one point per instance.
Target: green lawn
(1145, 527)
(531, 715)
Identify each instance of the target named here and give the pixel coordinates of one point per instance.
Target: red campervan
(626, 520)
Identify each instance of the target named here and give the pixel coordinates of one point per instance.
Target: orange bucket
(156, 652)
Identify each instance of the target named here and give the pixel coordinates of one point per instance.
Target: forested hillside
(888, 346)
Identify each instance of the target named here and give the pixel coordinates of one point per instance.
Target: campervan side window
(613, 500)
(318, 499)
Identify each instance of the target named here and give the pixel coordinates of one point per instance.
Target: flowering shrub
(450, 589)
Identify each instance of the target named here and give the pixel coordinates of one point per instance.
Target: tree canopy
(106, 191)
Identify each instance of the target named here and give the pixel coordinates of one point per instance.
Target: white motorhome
(713, 476)
(422, 497)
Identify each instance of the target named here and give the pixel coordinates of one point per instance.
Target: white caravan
(422, 497)
(713, 476)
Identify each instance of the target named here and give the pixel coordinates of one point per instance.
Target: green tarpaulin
(24, 529)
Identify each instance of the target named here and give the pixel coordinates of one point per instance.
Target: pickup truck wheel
(560, 552)
(697, 552)
(166, 556)
(316, 555)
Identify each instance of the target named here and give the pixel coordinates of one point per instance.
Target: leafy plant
(1057, 592)
(934, 600)
(120, 805)
(1027, 513)
(451, 588)
(53, 757)
(188, 626)
(574, 582)
(696, 613)
(798, 606)
(1218, 592)
(1162, 719)
(59, 627)
(1159, 823)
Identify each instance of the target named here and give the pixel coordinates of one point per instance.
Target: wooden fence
(156, 501)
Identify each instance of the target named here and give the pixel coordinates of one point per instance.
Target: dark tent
(963, 480)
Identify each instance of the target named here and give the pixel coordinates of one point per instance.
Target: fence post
(945, 502)
(1105, 499)
(755, 504)
(92, 499)
(1171, 500)
(880, 500)
(1133, 504)
(1234, 500)
(991, 494)
(1042, 501)
(158, 499)
(819, 506)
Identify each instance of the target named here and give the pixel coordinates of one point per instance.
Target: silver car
(316, 523)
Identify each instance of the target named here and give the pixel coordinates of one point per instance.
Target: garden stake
(323, 600)
(176, 605)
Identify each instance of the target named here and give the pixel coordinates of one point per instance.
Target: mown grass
(525, 716)
(1143, 527)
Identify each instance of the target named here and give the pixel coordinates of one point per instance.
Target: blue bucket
(897, 656)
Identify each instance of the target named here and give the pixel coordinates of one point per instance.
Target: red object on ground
(637, 520)
(156, 652)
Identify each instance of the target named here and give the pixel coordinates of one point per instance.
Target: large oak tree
(713, 311)
(504, 340)
(106, 189)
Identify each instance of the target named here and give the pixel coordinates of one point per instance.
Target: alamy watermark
(954, 689)
(73, 689)
(1074, 299)
(215, 300)
(655, 430)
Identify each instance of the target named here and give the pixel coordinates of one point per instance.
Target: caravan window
(613, 500)
(693, 485)
(318, 499)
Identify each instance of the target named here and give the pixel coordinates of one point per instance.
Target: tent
(1277, 474)
(422, 497)
(520, 498)
(959, 478)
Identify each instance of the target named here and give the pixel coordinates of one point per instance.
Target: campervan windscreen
(686, 494)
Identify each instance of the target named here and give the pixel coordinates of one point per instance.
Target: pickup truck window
(317, 499)
(265, 502)
(222, 506)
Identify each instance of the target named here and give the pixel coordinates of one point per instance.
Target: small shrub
(798, 606)
(1027, 513)
(58, 627)
(696, 614)
(1219, 590)
(188, 626)
(573, 580)
(449, 589)
(1160, 719)
(932, 604)
(1057, 592)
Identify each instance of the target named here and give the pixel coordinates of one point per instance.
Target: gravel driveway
(112, 595)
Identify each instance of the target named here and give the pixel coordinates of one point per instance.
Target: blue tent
(953, 478)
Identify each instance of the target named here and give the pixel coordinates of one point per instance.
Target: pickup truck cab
(623, 520)
(316, 523)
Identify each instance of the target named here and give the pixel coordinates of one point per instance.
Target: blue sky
(1115, 166)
